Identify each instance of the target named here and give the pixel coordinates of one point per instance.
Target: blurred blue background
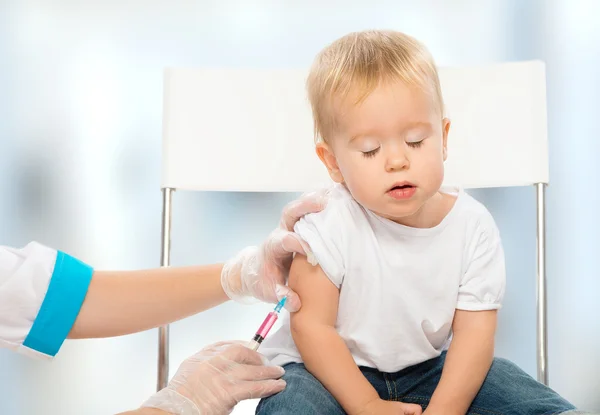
(80, 142)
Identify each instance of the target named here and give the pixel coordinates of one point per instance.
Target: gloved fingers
(292, 304)
(235, 352)
(242, 355)
(280, 246)
(219, 347)
(257, 390)
(216, 378)
(311, 202)
(295, 210)
(292, 242)
(257, 373)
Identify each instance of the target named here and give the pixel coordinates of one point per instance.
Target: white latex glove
(216, 379)
(262, 272)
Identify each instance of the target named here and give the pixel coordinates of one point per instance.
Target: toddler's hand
(380, 406)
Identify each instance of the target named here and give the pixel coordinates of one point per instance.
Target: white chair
(218, 123)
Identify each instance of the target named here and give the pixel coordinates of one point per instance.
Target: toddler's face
(389, 151)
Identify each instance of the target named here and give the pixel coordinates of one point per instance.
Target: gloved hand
(262, 272)
(217, 378)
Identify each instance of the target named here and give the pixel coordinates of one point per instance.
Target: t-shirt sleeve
(483, 283)
(321, 231)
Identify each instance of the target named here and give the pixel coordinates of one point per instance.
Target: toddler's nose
(396, 161)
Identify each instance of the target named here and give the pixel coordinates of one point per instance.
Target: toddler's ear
(328, 158)
(445, 130)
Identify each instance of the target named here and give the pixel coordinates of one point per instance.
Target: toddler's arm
(480, 295)
(467, 363)
(323, 350)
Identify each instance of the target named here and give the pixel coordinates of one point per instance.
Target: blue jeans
(507, 390)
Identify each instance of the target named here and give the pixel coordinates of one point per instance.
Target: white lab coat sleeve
(41, 293)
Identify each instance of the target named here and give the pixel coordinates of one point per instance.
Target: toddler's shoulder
(476, 216)
(483, 279)
(341, 213)
(328, 232)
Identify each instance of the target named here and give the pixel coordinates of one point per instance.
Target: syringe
(265, 327)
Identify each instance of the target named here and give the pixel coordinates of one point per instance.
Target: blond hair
(357, 63)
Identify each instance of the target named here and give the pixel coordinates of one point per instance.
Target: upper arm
(475, 331)
(319, 296)
(481, 322)
(318, 285)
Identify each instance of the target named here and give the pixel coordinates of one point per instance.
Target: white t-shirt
(399, 286)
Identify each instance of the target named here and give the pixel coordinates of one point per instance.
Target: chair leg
(165, 260)
(542, 333)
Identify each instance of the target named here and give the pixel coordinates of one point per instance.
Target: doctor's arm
(123, 302)
(47, 295)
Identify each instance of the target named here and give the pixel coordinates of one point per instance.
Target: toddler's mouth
(402, 191)
(402, 185)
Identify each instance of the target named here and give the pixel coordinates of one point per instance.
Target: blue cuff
(67, 289)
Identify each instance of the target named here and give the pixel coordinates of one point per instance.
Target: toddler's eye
(371, 153)
(414, 144)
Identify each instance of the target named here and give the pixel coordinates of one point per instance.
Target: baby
(400, 312)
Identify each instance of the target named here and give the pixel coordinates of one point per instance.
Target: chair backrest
(252, 129)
